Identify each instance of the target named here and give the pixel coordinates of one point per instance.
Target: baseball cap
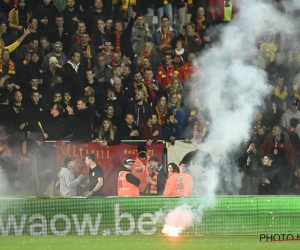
(153, 158)
(141, 148)
(128, 160)
(295, 102)
(68, 160)
(58, 44)
(8, 81)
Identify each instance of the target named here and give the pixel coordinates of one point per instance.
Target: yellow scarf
(128, 3)
(88, 51)
(11, 67)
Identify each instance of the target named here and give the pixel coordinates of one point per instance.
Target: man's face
(110, 94)
(110, 111)
(189, 29)
(117, 85)
(18, 97)
(107, 46)
(129, 119)
(138, 96)
(153, 165)
(148, 48)
(148, 75)
(109, 24)
(118, 71)
(294, 108)
(58, 49)
(118, 27)
(67, 97)
(280, 81)
(70, 3)
(138, 77)
(34, 44)
(89, 75)
(59, 21)
(76, 57)
(35, 97)
(101, 25)
(116, 57)
(101, 61)
(9, 86)
(57, 97)
(191, 59)
(34, 83)
(81, 27)
(54, 111)
(22, 4)
(276, 131)
(34, 24)
(5, 55)
(46, 1)
(126, 71)
(267, 161)
(80, 105)
(165, 22)
(145, 63)
(182, 168)
(85, 38)
(34, 58)
(3, 27)
(168, 60)
(98, 4)
(200, 12)
(140, 21)
(88, 161)
(44, 44)
(154, 119)
(72, 165)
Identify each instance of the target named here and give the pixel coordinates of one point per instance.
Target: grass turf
(141, 242)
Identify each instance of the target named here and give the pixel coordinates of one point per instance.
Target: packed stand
(95, 70)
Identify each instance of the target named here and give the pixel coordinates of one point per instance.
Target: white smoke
(234, 86)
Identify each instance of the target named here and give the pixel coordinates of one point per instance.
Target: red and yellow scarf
(128, 3)
(153, 188)
(161, 115)
(118, 42)
(11, 67)
(111, 54)
(200, 25)
(190, 3)
(199, 134)
(88, 51)
(153, 93)
(296, 91)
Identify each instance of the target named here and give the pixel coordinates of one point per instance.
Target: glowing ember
(171, 231)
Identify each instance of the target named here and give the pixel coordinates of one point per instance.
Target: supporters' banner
(109, 158)
(177, 151)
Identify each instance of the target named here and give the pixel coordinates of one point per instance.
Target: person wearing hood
(293, 112)
(68, 182)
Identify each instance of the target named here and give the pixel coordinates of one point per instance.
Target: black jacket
(83, 60)
(42, 11)
(106, 137)
(161, 180)
(57, 128)
(140, 112)
(82, 125)
(273, 174)
(37, 113)
(8, 119)
(65, 38)
(126, 48)
(124, 132)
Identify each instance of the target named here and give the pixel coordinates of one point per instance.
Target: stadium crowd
(95, 70)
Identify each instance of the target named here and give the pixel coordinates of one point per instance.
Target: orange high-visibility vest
(174, 185)
(141, 171)
(126, 188)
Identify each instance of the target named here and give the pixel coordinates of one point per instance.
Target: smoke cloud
(232, 83)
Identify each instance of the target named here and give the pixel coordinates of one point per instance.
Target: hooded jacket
(68, 183)
(287, 116)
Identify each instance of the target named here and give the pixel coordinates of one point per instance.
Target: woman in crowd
(175, 87)
(106, 134)
(174, 106)
(174, 185)
(180, 53)
(161, 109)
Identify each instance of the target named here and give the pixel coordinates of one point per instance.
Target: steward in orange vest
(175, 182)
(127, 182)
(140, 167)
(187, 179)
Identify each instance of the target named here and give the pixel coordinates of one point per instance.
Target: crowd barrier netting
(126, 216)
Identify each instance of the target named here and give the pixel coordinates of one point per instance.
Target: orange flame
(174, 232)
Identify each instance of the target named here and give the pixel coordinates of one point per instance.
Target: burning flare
(171, 231)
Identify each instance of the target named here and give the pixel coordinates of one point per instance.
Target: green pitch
(135, 242)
